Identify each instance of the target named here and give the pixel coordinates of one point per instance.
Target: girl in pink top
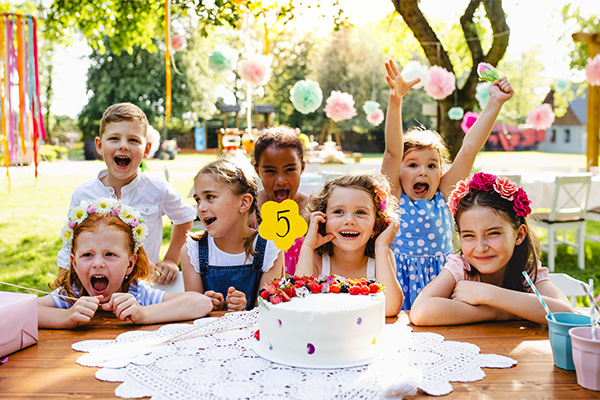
(485, 281)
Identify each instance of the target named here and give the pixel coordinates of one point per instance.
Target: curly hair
(124, 112)
(372, 183)
(280, 137)
(67, 278)
(525, 256)
(418, 139)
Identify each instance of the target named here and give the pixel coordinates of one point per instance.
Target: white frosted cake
(324, 330)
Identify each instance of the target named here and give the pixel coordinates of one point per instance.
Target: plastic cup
(558, 331)
(586, 357)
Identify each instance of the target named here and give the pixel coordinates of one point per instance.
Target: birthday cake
(325, 322)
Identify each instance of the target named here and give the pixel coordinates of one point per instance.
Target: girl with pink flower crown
(351, 226)
(414, 164)
(485, 280)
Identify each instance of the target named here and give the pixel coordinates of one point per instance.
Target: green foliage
(49, 152)
(574, 17)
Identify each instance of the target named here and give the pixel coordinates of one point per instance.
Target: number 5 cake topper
(282, 223)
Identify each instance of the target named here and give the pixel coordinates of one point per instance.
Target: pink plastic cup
(586, 356)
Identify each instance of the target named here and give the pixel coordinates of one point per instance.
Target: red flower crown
(487, 182)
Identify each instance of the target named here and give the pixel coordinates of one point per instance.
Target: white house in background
(568, 134)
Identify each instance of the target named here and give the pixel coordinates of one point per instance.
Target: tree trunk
(437, 55)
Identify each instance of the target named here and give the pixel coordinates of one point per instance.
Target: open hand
(398, 86)
(313, 238)
(385, 238)
(236, 300)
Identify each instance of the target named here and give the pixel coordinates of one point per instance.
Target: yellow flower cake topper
(282, 223)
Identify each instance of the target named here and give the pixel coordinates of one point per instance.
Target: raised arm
(500, 92)
(394, 148)
(385, 269)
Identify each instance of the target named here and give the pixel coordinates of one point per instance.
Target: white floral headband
(127, 214)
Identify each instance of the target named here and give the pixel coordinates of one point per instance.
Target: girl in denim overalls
(229, 260)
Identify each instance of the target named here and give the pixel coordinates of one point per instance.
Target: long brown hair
(67, 278)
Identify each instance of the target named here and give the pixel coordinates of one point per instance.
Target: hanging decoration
(21, 129)
(487, 73)
(592, 71)
(167, 61)
(306, 96)
(414, 69)
(223, 59)
(371, 107)
(178, 42)
(339, 106)
(255, 70)
(374, 112)
(270, 16)
(456, 113)
(561, 85)
(441, 83)
(541, 118)
(482, 93)
(468, 120)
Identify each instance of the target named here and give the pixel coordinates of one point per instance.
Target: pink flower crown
(487, 182)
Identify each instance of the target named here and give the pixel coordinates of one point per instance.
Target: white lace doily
(223, 365)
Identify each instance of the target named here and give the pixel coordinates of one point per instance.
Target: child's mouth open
(209, 221)
(122, 161)
(281, 195)
(99, 284)
(421, 189)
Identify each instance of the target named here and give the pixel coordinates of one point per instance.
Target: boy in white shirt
(123, 143)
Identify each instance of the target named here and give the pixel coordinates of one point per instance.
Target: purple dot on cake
(310, 348)
(359, 321)
(270, 346)
(279, 322)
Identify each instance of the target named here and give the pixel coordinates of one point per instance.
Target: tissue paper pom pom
(375, 118)
(441, 83)
(487, 72)
(592, 71)
(468, 121)
(306, 96)
(339, 106)
(370, 107)
(561, 84)
(541, 118)
(178, 42)
(482, 93)
(222, 59)
(256, 70)
(413, 70)
(154, 139)
(456, 113)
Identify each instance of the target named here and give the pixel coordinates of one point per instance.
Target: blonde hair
(67, 278)
(236, 172)
(418, 139)
(124, 112)
(374, 184)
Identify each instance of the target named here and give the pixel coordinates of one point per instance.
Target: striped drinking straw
(539, 296)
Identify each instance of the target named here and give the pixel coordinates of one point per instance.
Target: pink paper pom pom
(541, 118)
(178, 42)
(592, 71)
(375, 118)
(339, 106)
(256, 69)
(441, 83)
(468, 120)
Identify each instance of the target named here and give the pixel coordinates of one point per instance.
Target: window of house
(553, 136)
(567, 135)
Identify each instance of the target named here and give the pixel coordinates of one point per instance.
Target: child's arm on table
(433, 306)
(192, 281)
(521, 304)
(167, 269)
(500, 92)
(306, 258)
(394, 148)
(385, 269)
(59, 318)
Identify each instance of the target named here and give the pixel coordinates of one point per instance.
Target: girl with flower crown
(485, 280)
(415, 165)
(351, 226)
(110, 270)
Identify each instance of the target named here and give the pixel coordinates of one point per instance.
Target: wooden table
(48, 370)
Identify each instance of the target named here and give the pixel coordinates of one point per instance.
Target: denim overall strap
(259, 257)
(203, 252)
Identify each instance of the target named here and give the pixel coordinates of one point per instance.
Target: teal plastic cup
(558, 331)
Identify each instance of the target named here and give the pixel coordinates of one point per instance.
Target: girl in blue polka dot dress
(414, 164)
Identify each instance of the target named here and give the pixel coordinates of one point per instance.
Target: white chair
(571, 287)
(516, 178)
(593, 215)
(175, 287)
(569, 206)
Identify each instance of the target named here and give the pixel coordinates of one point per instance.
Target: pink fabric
(291, 256)
(458, 266)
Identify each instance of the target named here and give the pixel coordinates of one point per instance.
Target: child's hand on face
(501, 90)
(217, 299)
(84, 309)
(398, 86)
(313, 238)
(385, 238)
(236, 300)
(125, 306)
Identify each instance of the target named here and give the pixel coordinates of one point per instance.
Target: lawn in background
(32, 214)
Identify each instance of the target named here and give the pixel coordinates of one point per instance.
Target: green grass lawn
(32, 213)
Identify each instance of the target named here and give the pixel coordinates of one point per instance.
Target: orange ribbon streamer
(167, 63)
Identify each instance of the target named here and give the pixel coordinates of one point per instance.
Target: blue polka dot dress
(422, 243)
